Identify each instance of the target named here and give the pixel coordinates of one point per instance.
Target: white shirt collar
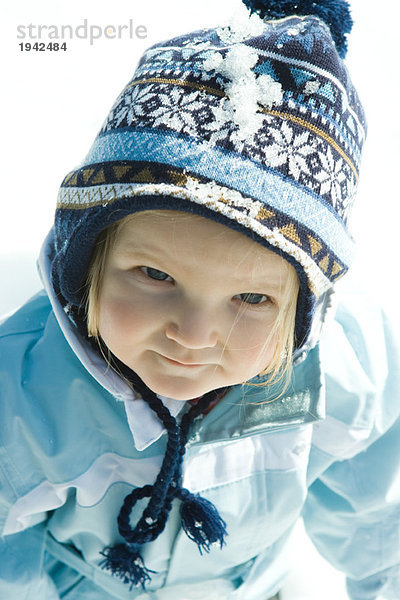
(145, 426)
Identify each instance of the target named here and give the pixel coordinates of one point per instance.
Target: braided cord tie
(153, 519)
(200, 518)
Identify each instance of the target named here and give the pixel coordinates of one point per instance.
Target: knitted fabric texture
(255, 125)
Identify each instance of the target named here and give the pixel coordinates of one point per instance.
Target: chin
(177, 389)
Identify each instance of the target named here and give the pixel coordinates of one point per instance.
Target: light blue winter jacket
(74, 441)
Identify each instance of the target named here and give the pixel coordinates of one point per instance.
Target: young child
(187, 386)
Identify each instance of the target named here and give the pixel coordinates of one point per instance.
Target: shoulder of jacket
(360, 361)
(30, 317)
(359, 348)
(360, 320)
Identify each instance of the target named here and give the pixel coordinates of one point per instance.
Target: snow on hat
(255, 125)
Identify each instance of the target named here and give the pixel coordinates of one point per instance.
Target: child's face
(188, 304)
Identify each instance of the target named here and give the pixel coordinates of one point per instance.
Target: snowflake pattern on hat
(278, 143)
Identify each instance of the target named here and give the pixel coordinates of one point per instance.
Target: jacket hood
(96, 365)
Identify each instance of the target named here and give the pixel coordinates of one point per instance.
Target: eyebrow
(143, 249)
(147, 250)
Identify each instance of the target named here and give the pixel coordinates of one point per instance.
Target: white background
(53, 104)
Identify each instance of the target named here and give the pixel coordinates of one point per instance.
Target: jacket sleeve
(352, 512)
(22, 573)
(22, 554)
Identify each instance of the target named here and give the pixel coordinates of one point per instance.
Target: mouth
(182, 364)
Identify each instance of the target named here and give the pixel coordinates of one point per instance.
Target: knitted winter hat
(255, 125)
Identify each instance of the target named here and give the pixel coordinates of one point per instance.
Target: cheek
(122, 323)
(250, 347)
(115, 314)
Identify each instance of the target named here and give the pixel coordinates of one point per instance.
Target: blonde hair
(283, 329)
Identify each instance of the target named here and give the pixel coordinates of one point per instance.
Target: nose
(193, 328)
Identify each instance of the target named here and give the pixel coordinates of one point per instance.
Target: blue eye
(249, 298)
(156, 274)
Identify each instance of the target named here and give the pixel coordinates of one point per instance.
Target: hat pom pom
(202, 522)
(335, 13)
(127, 564)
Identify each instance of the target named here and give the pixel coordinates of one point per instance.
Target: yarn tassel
(202, 522)
(335, 13)
(127, 564)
